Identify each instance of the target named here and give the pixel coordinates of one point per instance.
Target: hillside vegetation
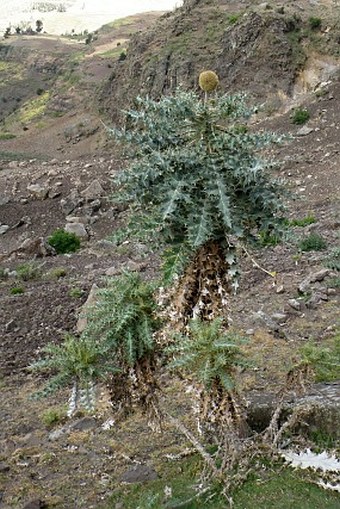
(169, 261)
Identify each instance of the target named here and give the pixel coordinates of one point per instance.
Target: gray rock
(90, 301)
(71, 202)
(295, 304)
(268, 321)
(316, 299)
(38, 191)
(36, 247)
(304, 131)
(4, 200)
(4, 467)
(314, 277)
(35, 504)
(11, 325)
(3, 228)
(279, 317)
(56, 434)
(93, 191)
(139, 473)
(84, 424)
(323, 400)
(78, 229)
(92, 207)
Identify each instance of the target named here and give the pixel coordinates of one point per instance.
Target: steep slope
(257, 47)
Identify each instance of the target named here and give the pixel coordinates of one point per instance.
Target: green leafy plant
(197, 181)
(333, 260)
(312, 242)
(64, 242)
(233, 18)
(212, 357)
(78, 362)
(17, 290)
(324, 361)
(210, 354)
(57, 273)
(314, 22)
(124, 320)
(53, 416)
(28, 271)
(300, 116)
(76, 293)
(304, 221)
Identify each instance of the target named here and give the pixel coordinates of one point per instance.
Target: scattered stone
(279, 317)
(84, 424)
(130, 265)
(3, 228)
(250, 332)
(35, 504)
(139, 473)
(56, 434)
(11, 325)
(38, 191)
(4, 200)
(71, 202)
(78, 229)
(295, 304)
(36, 247)
(54, 193)
(77, 219)
(318, 276)
(90, 301)
(4, 467)
(304, 131)
(316, 299)
(93, 191)
(268, 321)
(280, 289)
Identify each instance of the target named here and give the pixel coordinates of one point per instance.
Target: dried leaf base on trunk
(204, 289)
(222, 412)
(137, 388)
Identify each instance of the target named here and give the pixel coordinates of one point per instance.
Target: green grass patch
(287, 489)
(53, 416)
(276, 488)
(233, 18)
(28, 271)
(118, 23)
(324, 358)
(113, 53)
(33, 108)
(6, 136)
(304, 221)
(300, 116)
(312, 242)
(17, 290)
(333, 260)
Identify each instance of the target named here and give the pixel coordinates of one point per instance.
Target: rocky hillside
(263, 48)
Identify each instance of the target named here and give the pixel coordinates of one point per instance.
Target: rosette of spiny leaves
(77, 362)
(197, 182)
(212, 357)
(124, 320)
(196, 169)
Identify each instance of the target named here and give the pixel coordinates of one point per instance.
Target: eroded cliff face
(253, 48)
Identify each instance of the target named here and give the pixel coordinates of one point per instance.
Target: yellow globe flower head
(208, 81)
